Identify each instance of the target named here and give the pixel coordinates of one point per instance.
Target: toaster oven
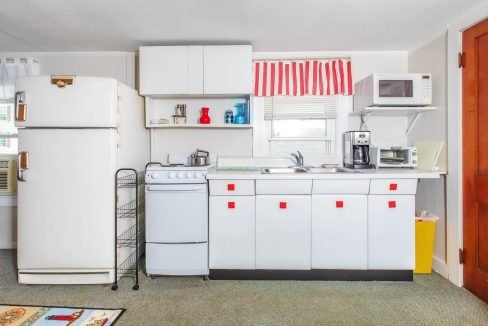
(394, 157)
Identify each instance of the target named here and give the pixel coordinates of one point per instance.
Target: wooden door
(475, 159)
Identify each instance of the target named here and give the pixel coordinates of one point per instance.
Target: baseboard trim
(440, 267)
(312, 275)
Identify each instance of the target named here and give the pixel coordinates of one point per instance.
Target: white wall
(118, 65)
(432, 126)
(454, 195)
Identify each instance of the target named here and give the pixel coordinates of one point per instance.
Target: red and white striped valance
(302, 77)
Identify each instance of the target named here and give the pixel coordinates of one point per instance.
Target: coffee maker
(356, 150)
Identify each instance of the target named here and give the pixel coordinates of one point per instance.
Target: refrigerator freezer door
(89, 102)
(66, 204)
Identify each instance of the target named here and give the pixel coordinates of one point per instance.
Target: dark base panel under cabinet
(312, 275)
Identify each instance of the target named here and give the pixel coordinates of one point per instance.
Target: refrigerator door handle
(62, 80)
(20, 106)
(22, 165)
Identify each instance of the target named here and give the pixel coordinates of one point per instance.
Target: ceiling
(269, 25)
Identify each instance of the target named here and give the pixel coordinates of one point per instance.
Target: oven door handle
(178, 188)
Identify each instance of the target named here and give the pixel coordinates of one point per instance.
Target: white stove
(157, 173)
(176, 219)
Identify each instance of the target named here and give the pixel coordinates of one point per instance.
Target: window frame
(262, 131)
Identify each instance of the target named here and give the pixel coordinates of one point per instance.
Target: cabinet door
(339, 232)
(391, 232)
(195, 70)
(163, 70)
(283, 232)
(227, 69)
(232, 232)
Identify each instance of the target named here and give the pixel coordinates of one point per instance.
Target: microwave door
(396, 90)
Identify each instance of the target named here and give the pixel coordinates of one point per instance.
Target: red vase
(205, 119)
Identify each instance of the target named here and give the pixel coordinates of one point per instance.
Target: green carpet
(429, 300)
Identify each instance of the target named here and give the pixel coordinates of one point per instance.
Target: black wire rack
(129, 241)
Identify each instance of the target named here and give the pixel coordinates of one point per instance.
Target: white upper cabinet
(227, 69)
(195, 70)
(163, 70)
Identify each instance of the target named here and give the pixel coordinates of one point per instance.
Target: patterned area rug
(19, 315)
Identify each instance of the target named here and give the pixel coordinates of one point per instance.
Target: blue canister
(229, 116)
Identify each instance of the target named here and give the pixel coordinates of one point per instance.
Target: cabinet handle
(283, 204)
(231, 187)
(231, 204)
(339, 204)
(393, 186)
(392, 204)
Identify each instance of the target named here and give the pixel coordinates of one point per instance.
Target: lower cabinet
(232, 232)
(391, 232)
(283, 232)
(339, 232)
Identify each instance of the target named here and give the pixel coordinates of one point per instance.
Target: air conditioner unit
(8, 181)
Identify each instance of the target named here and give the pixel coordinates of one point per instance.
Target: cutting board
(428, 154)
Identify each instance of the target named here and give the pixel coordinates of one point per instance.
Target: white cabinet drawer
(283, 187)
(393, 187)
(339, 232)
(391, 232)
(231, 187)
(340, 187)
(232, 232)
(283, 232)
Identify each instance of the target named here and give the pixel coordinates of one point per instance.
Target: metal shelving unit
(129, 225)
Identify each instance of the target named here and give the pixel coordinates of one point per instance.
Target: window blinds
(292, 107)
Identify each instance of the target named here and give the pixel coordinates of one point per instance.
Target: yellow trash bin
(424, 241)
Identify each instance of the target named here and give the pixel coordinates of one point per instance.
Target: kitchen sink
(293, 170)
(284, 170)
(331, 170)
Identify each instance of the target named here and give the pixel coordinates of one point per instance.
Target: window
(8, 132)
(306, 123)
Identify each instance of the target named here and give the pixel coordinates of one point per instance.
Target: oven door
(176, 213)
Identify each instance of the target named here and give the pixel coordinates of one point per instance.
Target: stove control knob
(154, 175)
(198, 174)
(188, 174)
(180, 175)
(171, 175)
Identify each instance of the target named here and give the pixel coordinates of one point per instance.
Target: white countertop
(386, 173)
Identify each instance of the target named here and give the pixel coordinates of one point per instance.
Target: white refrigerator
(75, 132)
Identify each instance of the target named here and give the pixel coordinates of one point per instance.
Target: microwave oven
(393, 90)
(394, 157)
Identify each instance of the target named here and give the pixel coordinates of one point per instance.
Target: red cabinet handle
(393, 186)
(231, 187)
(391, 204)
(231, 204)
(339, 204)
(282, 204)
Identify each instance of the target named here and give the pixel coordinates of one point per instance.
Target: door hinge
(461, 60)
(461, 256)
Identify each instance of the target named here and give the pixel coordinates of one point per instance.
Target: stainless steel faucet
(298, 158)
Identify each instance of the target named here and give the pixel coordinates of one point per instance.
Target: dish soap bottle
(205, 118)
